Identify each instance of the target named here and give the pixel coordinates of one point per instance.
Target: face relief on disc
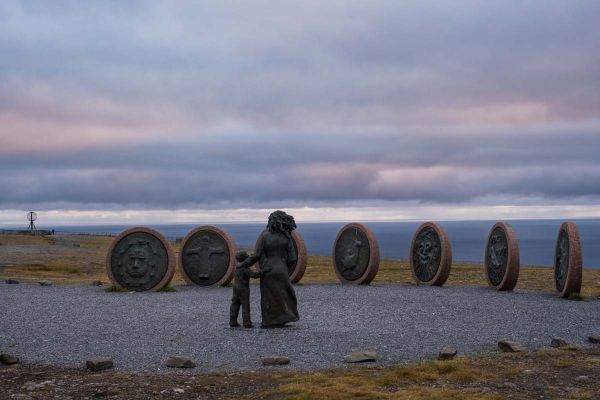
(430, 255)
(207, 257)
(356, 254)
(140, 259)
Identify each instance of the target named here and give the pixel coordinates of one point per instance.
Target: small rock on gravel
(361, 356)
(11, 282)
(99, 364)
(180, 362)
(45, 283)
(275, 360)
(447, 353)
(178, 390)
(582, 378)
(558, 342)
(594, 339)
(511, 347)
(8, 359)
(97, 283)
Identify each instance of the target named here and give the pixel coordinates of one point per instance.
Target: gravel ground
(65, 325)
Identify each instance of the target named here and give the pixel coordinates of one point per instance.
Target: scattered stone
(361, 356)
(447, 353)
(582, 379)
(8, 359)
(180, 362)
(178, 390)
(558, 342)
(45, 283)
(594, 339)
(275, 360)
(11, 282)
(509, 385)
(511, 347)
(97, 283)
(99, 364)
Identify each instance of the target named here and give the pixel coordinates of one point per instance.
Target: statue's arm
(192, 251)
(252, 274)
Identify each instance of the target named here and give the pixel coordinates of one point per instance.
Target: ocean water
(536, 237)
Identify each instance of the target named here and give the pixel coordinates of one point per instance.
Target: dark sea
(536, 237)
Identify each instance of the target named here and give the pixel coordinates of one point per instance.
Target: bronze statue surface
(275, 255)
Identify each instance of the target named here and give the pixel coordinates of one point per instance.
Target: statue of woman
(275, 254)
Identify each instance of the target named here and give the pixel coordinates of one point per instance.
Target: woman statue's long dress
(275, 255)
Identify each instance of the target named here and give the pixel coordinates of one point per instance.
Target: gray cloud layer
(148, 105)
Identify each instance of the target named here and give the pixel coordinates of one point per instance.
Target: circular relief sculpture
(502, 257)
(430, 255)
(207, 257)
(140, 259)
(356, 254)
(297, 269)
(567, 260)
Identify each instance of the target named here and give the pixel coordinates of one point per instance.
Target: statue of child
(241, 291)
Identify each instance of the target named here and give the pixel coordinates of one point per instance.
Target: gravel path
(65, 325)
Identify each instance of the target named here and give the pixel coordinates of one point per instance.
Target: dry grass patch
(547, 373)
(404, 382)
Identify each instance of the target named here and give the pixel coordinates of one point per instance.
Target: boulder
(558, 342)
(180, 362)
(8, 359)
(361, 356)
(511, 347)
(594, 339)
(11, 282)
(97, 283)
(45, 283)
(275, 360)
(99, 364)
(447, 353)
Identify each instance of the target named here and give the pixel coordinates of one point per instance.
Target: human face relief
(427, 249)
(138, 261)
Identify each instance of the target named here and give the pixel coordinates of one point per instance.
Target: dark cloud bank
(142, 105)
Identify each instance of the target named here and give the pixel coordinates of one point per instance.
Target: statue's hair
(281, 222)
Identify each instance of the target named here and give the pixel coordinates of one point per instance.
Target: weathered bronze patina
(297, 269)
(207, 257)
(275, 255)
(430, 255)
(140, 259)
(502, 257)
(567, 260)
(356, 254)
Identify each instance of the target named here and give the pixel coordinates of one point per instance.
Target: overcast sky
(157, 111)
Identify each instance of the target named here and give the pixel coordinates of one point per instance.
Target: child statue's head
(241, 255)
